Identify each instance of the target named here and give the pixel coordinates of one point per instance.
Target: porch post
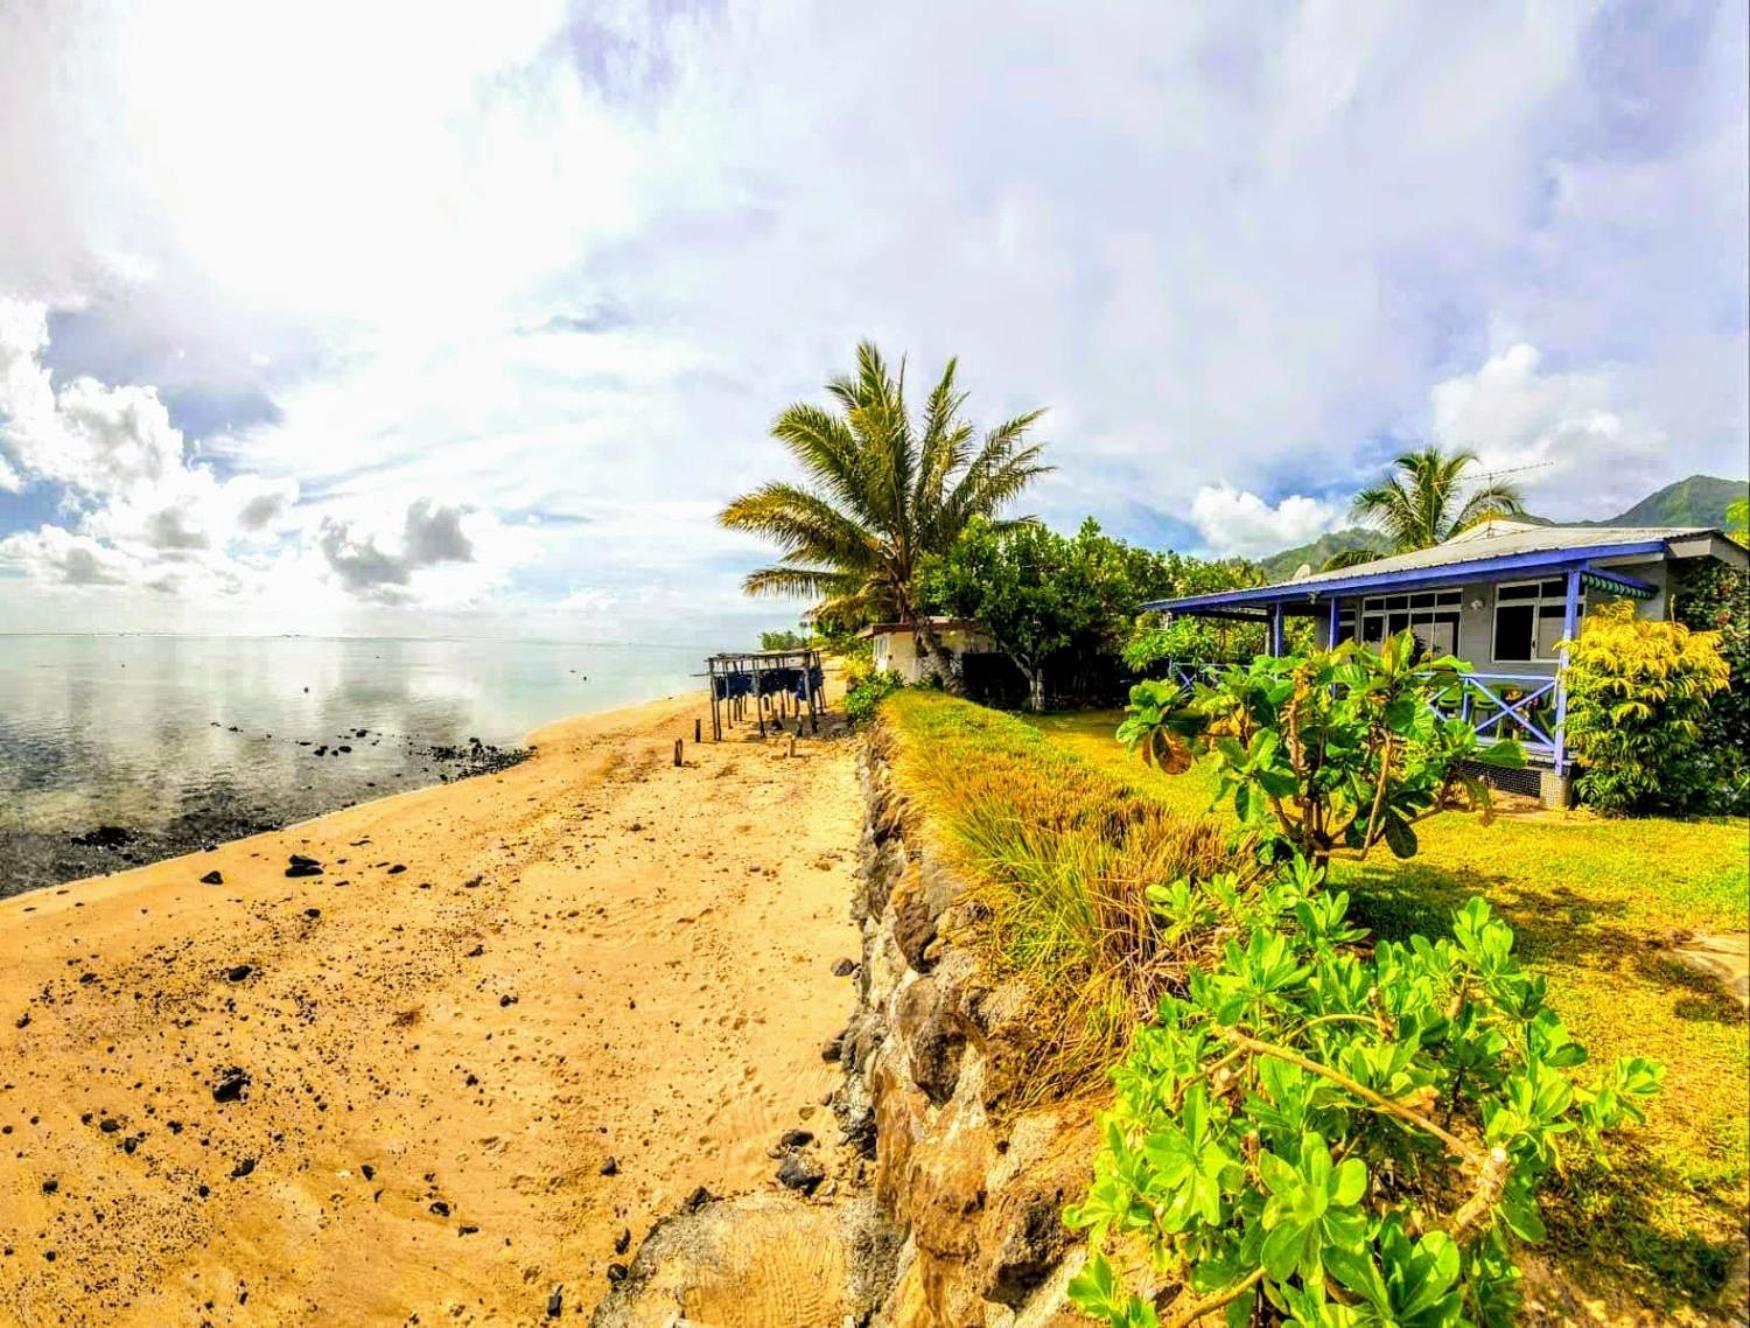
(1331, 637)
(1570, 622)
(1276, 630)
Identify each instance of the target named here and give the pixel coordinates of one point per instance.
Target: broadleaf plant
(1325, 754)
(1321, 1136)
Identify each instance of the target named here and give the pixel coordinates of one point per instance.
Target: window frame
(1537, 601)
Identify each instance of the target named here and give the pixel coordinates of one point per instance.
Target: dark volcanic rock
(243, 1168)
(105, 836)
(302, 866)
(801, 1172)
(556, 1303)
(611, 1167)
(796, 1139)
(213, 878)
(844, 968)
(231, 1086)
(239, 973)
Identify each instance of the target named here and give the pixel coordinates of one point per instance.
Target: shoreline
(396, 1086)
(129, 846)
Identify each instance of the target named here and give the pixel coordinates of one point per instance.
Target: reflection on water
(184, 740)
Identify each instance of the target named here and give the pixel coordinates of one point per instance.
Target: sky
(433, 319)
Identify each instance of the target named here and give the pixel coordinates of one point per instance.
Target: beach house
(1500, 596)
(897, 649)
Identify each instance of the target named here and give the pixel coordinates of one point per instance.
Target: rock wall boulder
(974, 1188)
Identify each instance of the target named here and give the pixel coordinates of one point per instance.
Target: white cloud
(1559, 436)
(572, 257)
(1232, 521)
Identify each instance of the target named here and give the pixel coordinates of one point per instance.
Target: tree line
(902, 516)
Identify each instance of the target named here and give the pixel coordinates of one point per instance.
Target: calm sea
(124, 749)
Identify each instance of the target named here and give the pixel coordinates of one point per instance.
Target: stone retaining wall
(933, 1060)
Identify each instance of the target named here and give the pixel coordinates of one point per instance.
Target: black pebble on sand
(213, 878)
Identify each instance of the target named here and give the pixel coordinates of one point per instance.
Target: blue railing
(1526, 707)
(1523, 706)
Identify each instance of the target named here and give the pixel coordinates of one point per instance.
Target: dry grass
(1059, 853)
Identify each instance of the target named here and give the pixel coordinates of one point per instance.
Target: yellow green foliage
(1060, 854)
(1638, 691)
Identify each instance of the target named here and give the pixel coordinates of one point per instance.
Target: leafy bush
(865, 695)
(785, 640)
(1332, 751)
(1714, 598)
(1317, 1137)
(1059, 855)
(1638, 693)
(1186, 640)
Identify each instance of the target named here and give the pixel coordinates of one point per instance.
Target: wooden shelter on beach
(780, 684)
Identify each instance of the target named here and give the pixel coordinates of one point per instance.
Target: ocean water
(123, 749)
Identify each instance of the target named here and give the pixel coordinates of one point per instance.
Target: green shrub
(1638, 692)
(865, 695)
(1060, 856)
(1715, 598)
(1314, 1136)
(1329, 752)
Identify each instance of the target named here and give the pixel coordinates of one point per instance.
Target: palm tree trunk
(941, 662)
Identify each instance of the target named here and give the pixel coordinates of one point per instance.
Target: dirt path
(493, 989)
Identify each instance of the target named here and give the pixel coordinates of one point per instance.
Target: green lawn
(1595, 904)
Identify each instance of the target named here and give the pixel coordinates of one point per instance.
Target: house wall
(1476, 625)
(899, 652)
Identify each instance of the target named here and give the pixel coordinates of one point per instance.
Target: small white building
(897, 649)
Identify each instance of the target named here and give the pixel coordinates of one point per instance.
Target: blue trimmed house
(1499, 596)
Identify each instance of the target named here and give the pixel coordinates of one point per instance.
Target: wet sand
(494, 988)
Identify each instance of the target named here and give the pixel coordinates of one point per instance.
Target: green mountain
(1699, 500)
(1279, 566)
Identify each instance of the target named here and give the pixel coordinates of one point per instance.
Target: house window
(1431, 614)
(1529, 616)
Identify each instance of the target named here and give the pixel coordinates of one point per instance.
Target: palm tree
(1423, 503)
(882, 494)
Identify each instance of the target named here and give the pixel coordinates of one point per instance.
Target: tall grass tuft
(1060, 854)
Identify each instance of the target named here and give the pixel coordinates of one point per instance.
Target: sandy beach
(513, 1019)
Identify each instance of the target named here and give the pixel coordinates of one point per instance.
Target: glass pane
(1557, 587)
(1451, 597)
(1398, 602)
(1516, 592)
(1424, 600)
(1437, 639)
(1549, 631)
(1373, 629)
(1513, 626)
(1399, 621)
(1557, 611)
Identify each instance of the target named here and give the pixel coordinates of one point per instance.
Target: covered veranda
(1539, 595)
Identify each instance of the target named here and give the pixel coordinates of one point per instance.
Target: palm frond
(1349, 558)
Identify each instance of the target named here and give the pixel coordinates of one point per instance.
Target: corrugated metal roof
(1500, 547)
(1498, 539)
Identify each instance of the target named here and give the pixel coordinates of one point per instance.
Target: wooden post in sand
(678, 744)
(696, 724)
(792, 750)
(759, 699)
